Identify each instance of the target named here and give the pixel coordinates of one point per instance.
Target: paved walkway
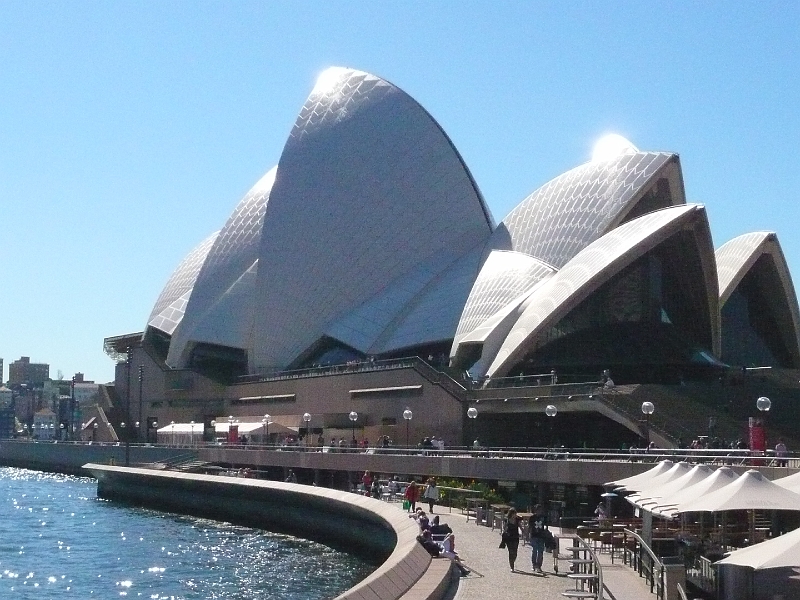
(492, 578)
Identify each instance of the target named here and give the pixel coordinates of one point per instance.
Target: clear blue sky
(130, 130)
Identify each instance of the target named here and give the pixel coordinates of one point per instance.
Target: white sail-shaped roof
(759, 253)
(596, 264)
(233, 253)
(368, 187)
(171, 304)
(571, 211)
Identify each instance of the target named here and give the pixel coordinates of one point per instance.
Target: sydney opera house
(365, 274)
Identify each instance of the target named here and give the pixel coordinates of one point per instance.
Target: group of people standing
(429, 493)
(538, 534)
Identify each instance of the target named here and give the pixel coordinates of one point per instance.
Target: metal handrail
(595, 560)
(735, 457)
(655, 564)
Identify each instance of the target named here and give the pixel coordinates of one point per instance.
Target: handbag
(406, 504)
(549, 540)
(503, 540)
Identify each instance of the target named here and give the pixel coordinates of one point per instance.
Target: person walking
(412, 495)
(539, 532)
(431, 494)
(511, 536)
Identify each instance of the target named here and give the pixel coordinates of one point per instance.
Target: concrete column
(674, 574)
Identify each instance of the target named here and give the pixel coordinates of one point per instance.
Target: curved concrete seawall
(360, 525)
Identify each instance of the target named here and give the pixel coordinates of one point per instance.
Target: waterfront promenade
(492, 577)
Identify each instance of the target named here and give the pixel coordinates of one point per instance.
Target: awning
(782, 551)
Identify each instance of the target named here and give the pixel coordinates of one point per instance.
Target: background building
(24, 371)
(7, 421)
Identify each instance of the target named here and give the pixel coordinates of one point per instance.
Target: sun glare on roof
(327, 79)
(610, 146)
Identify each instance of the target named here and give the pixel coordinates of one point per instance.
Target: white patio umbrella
(635, 482)
(791, 483)
(651, 494)
(782, 551)
(751, 491)
(668, 505)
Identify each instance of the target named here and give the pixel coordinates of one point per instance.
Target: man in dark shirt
(539, 532)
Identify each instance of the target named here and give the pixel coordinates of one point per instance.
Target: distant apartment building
(1, 372)
(23, 371)
(84, 391)
(6, 412)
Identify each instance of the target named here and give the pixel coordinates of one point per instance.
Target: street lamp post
(94, 431)
(551, 411)
(141, 381)
(647, 410)
(763, 404)
(472, 414)
(307, 420)
(353, 416)
(407, 415)
(61, 431)
(172, 431)
(127, 444)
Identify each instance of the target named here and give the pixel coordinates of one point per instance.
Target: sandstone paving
(491, 576)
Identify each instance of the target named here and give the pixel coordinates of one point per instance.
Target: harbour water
(58, 540)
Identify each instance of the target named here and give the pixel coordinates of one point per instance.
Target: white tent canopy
(653, 495)
(636, 482)
(782, 551)
(651, 488)
(188, 433)
(791, 483)
(751, 491)
(668, 505)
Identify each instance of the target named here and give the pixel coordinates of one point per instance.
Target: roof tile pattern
(234, 252)
(368, 188)
(571, 211)
(171, 304)
(504, 277)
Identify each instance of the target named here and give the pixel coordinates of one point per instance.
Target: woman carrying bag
(412, 495)
(510, 536)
